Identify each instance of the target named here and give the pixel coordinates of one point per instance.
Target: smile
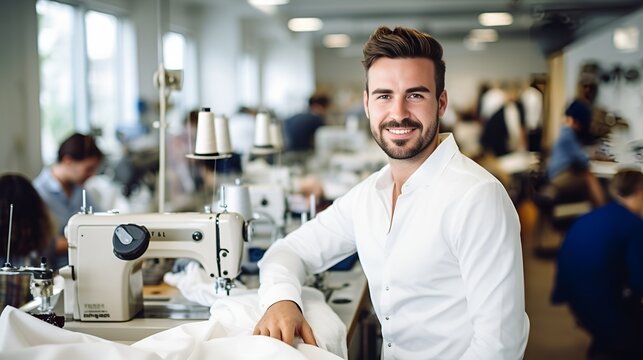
(400, 131)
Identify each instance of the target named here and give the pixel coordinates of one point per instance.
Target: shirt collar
(430, 169)
(51, 183)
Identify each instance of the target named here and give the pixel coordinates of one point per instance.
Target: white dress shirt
(445, 273)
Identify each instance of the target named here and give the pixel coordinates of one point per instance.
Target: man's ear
(443, 101)
(365, 99)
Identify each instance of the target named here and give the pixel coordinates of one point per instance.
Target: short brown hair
(626, 182)
(403, 42)
(32, 227)
(79, 147)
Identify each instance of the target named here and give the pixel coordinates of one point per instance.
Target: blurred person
(568, 165)
(600, 271)
(300, 128)
(532, 99)
(32, 235)
(437, 235)
(182, 173)
(61, 186)
(491, 101)
(504, 132)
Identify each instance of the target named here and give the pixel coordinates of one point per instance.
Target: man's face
(401, 105)
(81, 170)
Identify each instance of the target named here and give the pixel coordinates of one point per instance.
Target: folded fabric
(238, 313)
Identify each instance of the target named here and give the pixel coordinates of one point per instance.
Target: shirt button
(387, 289)
(389, 344)
(386, 318)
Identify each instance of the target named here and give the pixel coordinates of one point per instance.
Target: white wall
(19, 92)
(624, 99)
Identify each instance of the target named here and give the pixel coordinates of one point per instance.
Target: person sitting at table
(61, 185)
(600, 271)
(568, 167)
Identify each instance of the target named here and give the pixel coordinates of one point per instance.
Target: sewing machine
(104, 280)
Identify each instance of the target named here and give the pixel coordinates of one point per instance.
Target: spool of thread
(222, 134)
(262, 131)
(237, 199)
(276, 137)
(206, 142)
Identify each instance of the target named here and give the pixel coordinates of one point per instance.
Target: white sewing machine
(104, 280)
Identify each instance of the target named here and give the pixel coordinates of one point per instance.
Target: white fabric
(240, 312)
(491, 102)
(25, 337)
(227, 335)
(445, 273)
(514, 128)
(532, 101)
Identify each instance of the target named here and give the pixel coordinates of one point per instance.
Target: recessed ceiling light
(305, 24)
(336, 40)
(495, 19)
(474, 44)
(268, 2)
(484, 35)
(626, 39)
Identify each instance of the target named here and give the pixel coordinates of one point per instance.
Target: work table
(346, 299)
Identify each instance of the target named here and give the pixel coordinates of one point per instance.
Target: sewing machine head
(104, 280)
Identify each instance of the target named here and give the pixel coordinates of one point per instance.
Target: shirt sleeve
(487, 245)
(577, 155)
(312, 248)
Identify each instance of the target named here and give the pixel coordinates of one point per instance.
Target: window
(55, 39)
(88, 80)
(179, 54)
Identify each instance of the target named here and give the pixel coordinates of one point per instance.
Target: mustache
(406, 122)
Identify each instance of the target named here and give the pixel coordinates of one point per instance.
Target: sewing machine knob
(130, 241)
(197, 236)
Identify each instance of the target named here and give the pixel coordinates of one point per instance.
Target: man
(437, 235)
(600, 271)
(60, 185)
(300, 129)
(568, 166)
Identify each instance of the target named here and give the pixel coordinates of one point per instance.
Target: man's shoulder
(463, 169)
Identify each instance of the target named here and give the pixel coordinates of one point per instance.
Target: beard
(406, 148)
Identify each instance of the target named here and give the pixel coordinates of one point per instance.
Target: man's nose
(399, 109)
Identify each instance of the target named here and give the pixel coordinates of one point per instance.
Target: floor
(553, 334)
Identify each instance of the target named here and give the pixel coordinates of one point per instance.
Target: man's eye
(384, 97)
(416, 96)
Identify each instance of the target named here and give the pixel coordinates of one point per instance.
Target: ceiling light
(484, 35)
(474, 44)
(268, 2)
(336, 40)
(305, 24)
(495, 19)
(626, 39)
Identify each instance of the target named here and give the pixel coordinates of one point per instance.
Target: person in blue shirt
(568, 166)
(300, 129)
(60, 185)
(600, 271)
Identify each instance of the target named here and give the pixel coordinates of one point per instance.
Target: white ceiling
(551, 23)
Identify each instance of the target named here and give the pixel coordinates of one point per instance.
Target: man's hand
(283, 321)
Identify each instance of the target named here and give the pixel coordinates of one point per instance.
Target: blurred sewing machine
(104, 280)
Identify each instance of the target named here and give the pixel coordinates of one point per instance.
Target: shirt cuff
(278, 293)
